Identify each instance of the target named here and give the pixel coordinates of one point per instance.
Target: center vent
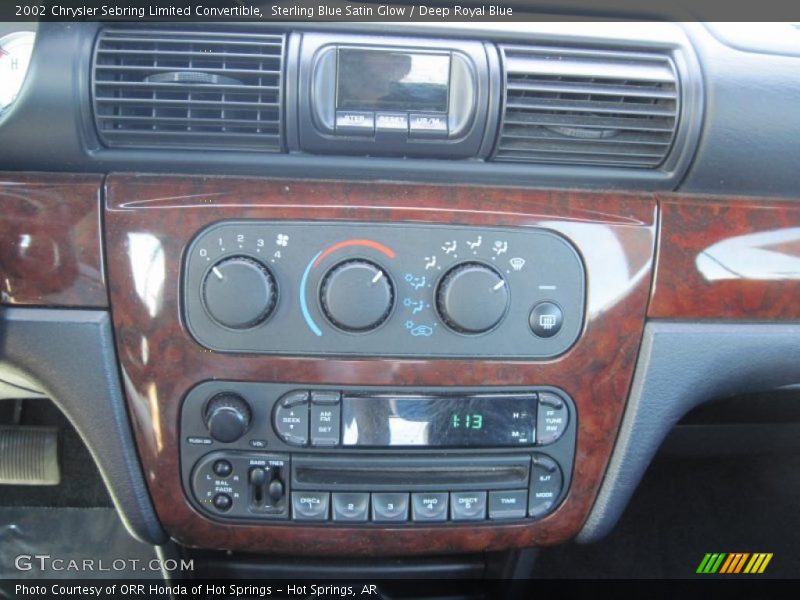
(588, 107)
(156, 88)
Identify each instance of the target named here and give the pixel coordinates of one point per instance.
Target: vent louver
(155, 88)
(588, 107)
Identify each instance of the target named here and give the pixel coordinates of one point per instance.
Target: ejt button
(546, 482)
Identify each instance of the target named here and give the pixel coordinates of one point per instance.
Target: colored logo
(734, 563)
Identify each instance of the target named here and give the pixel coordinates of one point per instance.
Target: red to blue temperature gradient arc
(347, 243)
(315, 262)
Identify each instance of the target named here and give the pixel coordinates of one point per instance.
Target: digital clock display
(467, 420)
(443, 421)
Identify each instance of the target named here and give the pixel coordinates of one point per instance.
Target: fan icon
(282, 239)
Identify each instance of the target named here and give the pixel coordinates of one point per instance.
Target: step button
(468, 506)
(355, 122)
(511, 504)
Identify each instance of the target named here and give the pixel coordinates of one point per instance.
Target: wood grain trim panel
(51, 251)
(150, 220)
(727, 258)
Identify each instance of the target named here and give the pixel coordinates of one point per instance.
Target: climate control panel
(383, 290)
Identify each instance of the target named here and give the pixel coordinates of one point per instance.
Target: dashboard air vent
(588, 107)
(155, 88)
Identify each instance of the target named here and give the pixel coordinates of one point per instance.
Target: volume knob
(227, 417)
(239, 292)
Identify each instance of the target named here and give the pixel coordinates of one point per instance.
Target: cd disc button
(468, 506)
(310, 506)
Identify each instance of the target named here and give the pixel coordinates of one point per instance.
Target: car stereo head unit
(412, 97)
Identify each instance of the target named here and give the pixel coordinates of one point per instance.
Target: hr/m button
(427, 125)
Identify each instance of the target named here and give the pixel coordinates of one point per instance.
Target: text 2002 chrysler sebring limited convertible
(432, 306)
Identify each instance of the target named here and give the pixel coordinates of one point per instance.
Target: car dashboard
(342, 289)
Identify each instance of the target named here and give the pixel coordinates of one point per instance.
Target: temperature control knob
(356, 295)
(472, 298)
(239, 292)
(227, 417)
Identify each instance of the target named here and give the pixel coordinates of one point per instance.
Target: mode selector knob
(472, 298)
(356, 295)
(227, 417)
(239, 292)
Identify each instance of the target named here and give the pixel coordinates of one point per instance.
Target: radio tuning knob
(356, 295)
(239, 292)
(227, 417)
(472, 298)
